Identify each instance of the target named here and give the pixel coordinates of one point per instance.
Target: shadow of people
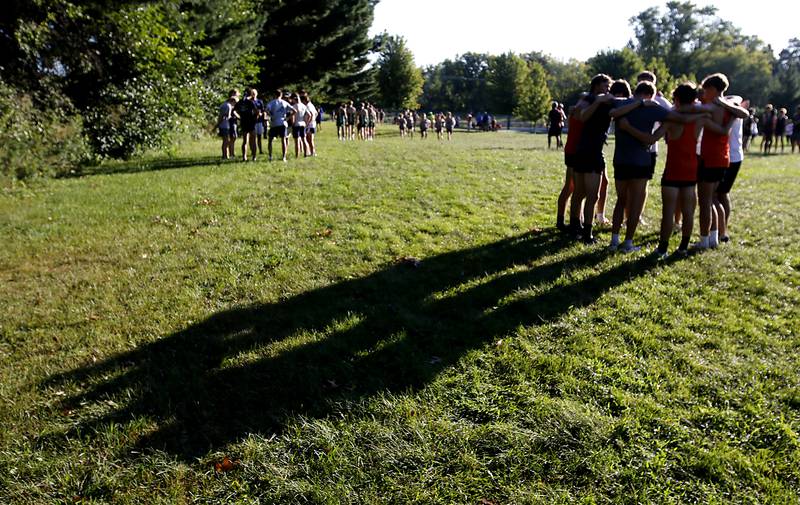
(148, 165)
(254, 369)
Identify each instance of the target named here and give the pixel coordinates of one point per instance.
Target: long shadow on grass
(253, 369)
(150, 165)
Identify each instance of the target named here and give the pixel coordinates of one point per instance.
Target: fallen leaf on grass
(327, 232)
(226, 465)
(206, 201)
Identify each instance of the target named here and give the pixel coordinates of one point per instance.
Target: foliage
(786, 85)
(37, 142)
(399, 79)
(618, 63)
(320, 46)
(566, 80)
(457, 85)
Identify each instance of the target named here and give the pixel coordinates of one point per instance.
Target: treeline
(83, 79)
(678, 43)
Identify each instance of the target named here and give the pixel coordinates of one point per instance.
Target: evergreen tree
(399, 79)
(318, 45)
(533, 96)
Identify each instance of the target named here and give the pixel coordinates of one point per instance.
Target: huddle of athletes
(409, 121)
(250, 118)
(361, 121)
(703, 130)
(776, 126)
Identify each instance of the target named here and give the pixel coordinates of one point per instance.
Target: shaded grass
(156, 320)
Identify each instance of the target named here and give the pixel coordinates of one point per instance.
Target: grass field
(391, 322)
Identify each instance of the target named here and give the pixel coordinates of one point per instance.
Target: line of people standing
(361, 121)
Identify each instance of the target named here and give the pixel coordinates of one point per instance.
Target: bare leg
(637, 195)
(601, 200)
(576, 203)
(566, 191)
(619, 207)
(705, 195)
(669, 203)
(688, 204)
(592, 188)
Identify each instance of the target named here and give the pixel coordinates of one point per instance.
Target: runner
(372, 118)
(575, 126)
(767, 128)
(248, 117)
(228, 134)
(633, 161)
(714, 158)
(341, 121)
(424, 123)
(351, 121)
(438, 123)
(449, 124)
(260, 120)
(593, 111)
(555, 119)
(277, 109)
(780, 129)
(299, 125)
(729, 177)
(362, 121)
(311, 126)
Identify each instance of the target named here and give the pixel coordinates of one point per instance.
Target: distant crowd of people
(442, 123)
(250, 118)
(357, 122)
(776, 127)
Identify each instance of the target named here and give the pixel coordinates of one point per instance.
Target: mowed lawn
(391, 322)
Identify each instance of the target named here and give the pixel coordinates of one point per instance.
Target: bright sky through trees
(440, 29)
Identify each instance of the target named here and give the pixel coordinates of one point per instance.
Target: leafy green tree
(618, 63)
(533, 96)
(399, 79)
(786, 81)
(565, 80)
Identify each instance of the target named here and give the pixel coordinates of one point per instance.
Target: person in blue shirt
(633, 166)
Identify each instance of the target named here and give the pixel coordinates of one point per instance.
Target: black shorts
(624, 172)
(554, 131)
(589, 163)
(569, 160)
(677, 184)
(298, 131)
(728, 178)
(311, 129)
(709, 174)
(449, 129)
(248, 127)
(277, 132)
(233, 130)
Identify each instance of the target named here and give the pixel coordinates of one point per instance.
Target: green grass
(391, 322)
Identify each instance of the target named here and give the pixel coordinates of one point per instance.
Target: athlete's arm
(626, 109)
(739, 112)
(685, 118)
(643, 137)
(713, 126)
(585, 113)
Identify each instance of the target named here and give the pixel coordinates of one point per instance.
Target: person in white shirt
(736, 153)
(277, 110)
(299, 126)
(311, 124)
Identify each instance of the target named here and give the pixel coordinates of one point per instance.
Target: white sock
(600, 217)
(713, 239)
(703, 241)
(627, 244)
(615, 239)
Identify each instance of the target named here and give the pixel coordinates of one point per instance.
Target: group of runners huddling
(410, 121)
(360, 122)
(251, 118)
(703, 130)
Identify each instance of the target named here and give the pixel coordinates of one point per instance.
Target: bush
(36, 142)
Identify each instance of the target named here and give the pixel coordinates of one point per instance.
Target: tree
(565, 80)
(320, 46)
(533, 96)
(618, 63)
(786, 81)
(399, 79)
